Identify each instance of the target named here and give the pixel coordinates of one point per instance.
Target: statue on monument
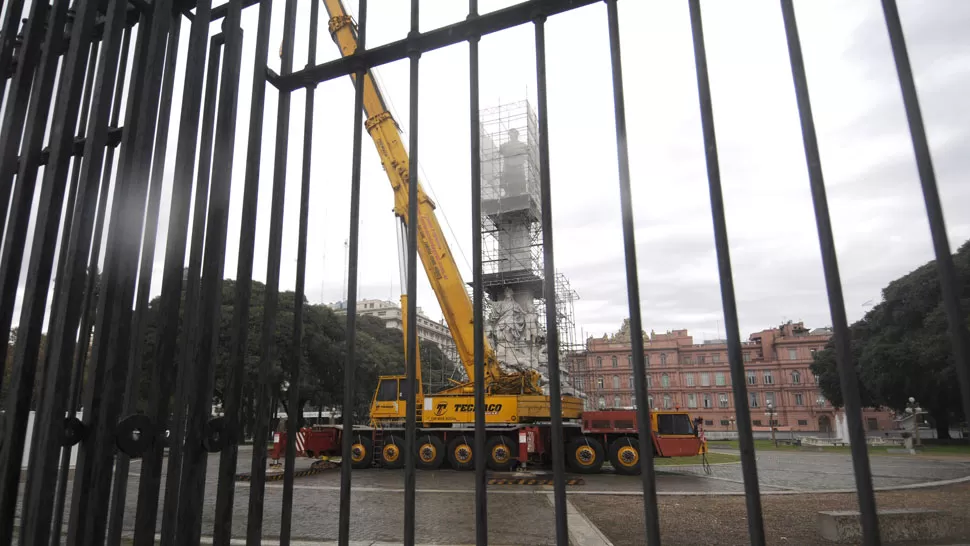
(508, 318)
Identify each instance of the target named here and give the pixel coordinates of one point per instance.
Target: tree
(901, 347)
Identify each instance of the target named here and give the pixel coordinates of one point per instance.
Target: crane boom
(436, 257)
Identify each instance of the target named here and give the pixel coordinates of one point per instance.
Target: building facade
(697, 378)
(390, 313)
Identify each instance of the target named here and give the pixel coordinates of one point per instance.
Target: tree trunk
(942, 425)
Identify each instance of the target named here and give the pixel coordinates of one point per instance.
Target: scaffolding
(512, 257)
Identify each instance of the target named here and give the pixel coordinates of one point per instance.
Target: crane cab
(389, 403)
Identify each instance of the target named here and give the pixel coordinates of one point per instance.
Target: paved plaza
(524, 514)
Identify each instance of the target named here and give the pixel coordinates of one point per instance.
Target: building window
(664, 381)
(707, 401)
(708, 423)
(816, 378)
(689, 380)
(754, 400)
(667, 402)
(647, 359)
(686, 360)
(747, 357)
(616, 402)
(649, 381)
(814, 352)
(602, 402)
(616, 382)
(796, 378)
(719, 379)
(820, 400)
(705, 379)
(872, 424)
(792, 354)
(803, 422)
(752, 380)
(715, 357)
(769, 380)
(691, 400)
(650, 402)
(599, 362)
(615, 362)
(722, 400)
(599, 382)
(663, 359)
(701, 359)
(632, 383)
(629, 360)
(799, 401)
(756, 422)
(770, 398)
(773, 422)
(725, 422)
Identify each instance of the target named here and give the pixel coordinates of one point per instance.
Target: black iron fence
(64, 65)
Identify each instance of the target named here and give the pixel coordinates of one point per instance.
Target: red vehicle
(603, 435)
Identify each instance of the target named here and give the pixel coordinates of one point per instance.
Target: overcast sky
(876, 204)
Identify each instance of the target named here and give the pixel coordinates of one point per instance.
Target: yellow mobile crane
(517, 412)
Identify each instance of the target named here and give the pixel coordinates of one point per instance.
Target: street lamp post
(913, 408)
(770, 412)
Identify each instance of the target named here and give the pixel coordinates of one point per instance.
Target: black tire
(392, 454)
(500, 453)
(461, 453)
(625, 455)
(584, 455)
(430, 452)
(361, 452)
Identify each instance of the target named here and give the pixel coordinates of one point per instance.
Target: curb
(531, 481)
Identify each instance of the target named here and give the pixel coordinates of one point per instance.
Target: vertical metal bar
(847, 376)
(204, 355)
(165, 368)
(648, 473)
(955, 317)
(18, 217)
(222, 528)
(481, 500)
(549, 288)
(268, 348)
(296, 410)
(347, 412)
(90, 278)
(20, 91)
(73, 214)
(8, 34)
(410, 425)
(104, 389)
(122, 461)
(38, 276)
(749, 469)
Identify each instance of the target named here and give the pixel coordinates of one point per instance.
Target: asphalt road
(445, 500)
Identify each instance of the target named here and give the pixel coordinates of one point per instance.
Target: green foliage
(378, 351)
(901, 348)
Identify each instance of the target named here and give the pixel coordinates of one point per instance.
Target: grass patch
(768, 445)
(712, 458)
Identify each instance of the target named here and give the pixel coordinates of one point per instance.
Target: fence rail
(77, 55)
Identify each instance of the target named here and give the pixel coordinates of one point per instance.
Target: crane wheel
(500, 451)
(361, 452)
(431, 452)
(625, 455)
(460, 452)
(392, 454)
(584, 455)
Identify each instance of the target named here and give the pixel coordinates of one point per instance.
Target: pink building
(697, 378)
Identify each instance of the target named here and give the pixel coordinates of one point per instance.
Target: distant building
(697, 378)
(390, 313)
